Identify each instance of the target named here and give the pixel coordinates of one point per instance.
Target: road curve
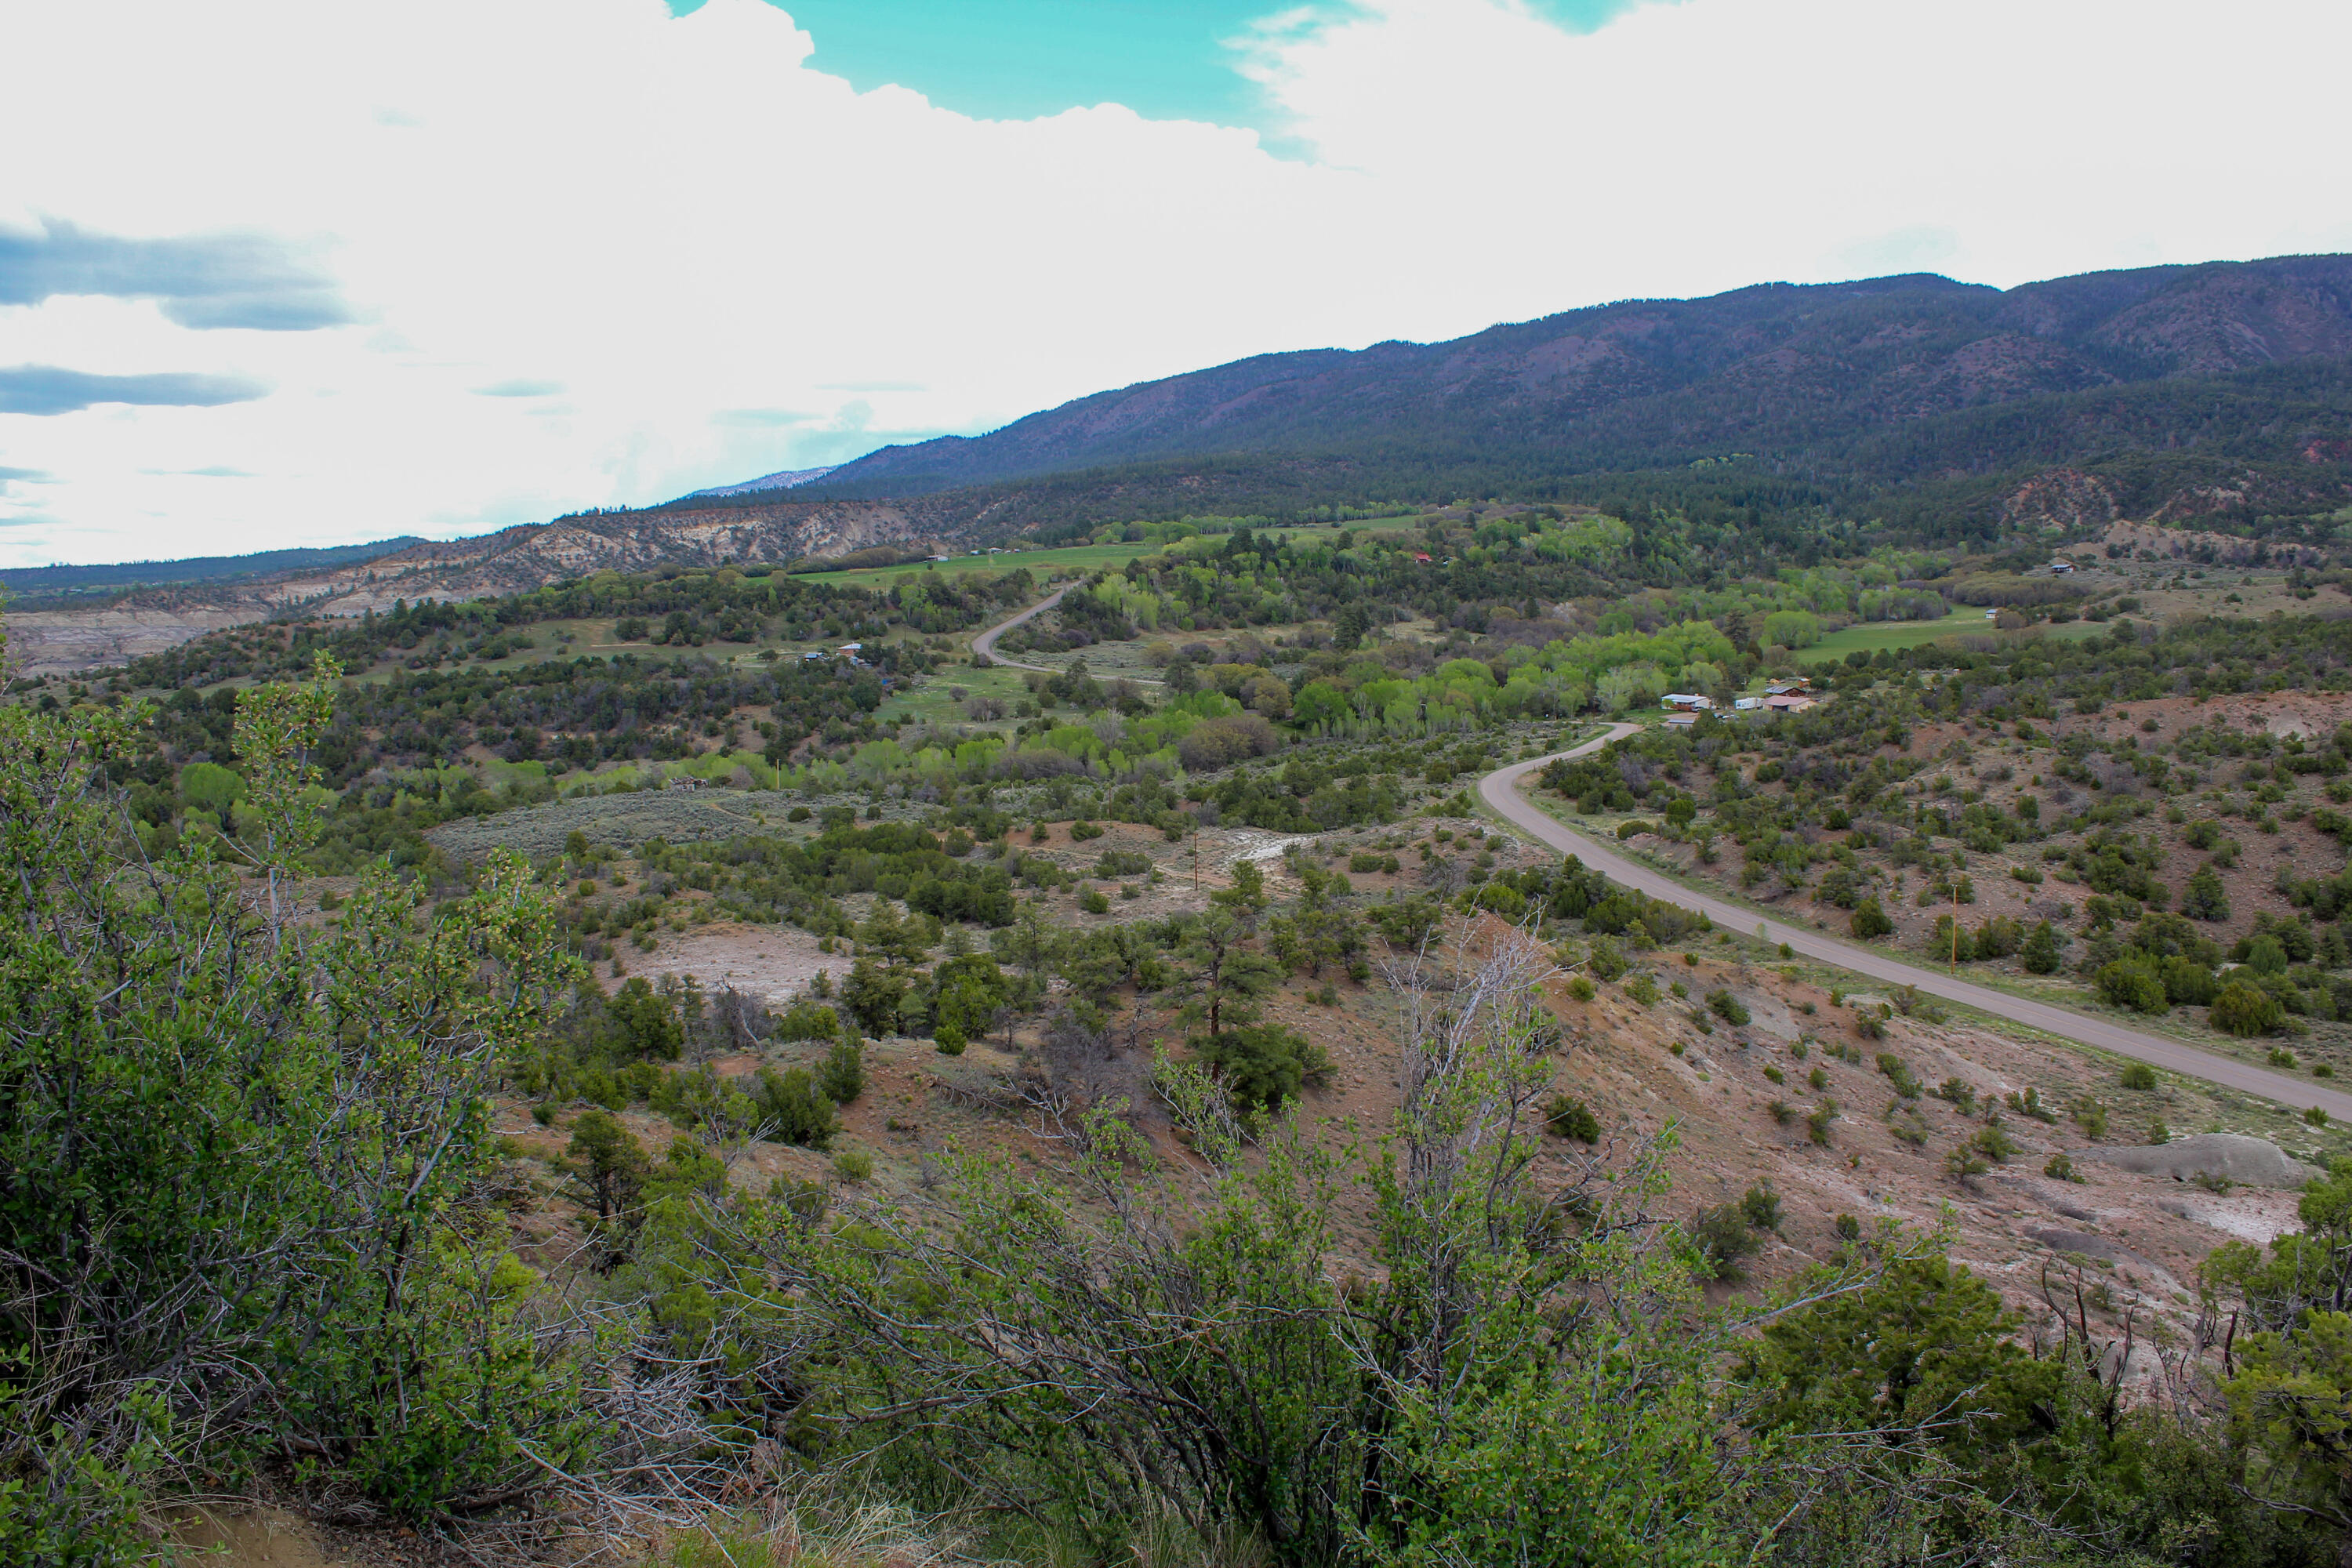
(984, 645)
(1500, 790)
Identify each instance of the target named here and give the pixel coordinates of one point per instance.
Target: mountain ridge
(1783, 369)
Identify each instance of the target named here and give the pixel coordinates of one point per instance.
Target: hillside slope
(1884, 380)
(510, 561)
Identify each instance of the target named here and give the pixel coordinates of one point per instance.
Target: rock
(2255, 1161)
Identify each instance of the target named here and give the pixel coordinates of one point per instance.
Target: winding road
(984, 645)
(1500, 790)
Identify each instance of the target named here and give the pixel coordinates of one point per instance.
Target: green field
(1074, 558)
(1869, 637)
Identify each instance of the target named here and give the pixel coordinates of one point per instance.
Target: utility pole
(1955, 926)
(1196, 855)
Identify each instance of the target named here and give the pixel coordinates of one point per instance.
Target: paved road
(986, 643)
(1500, 790)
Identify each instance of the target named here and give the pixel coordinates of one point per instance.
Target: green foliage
(1869, 920)
(874, 994)
(793, 1109)
(235, 1146)
(1924, 1343)
(2039, 954)
(1569, 1118)
(2134, 982)
(1728, 1007)
(2245, 1010)
(2139, 1074)
(2205, 898)
(647, 1021)
(1263, 1065)
(842, 1076)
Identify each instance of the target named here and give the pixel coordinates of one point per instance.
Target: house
(1992, 614)
(852, 648)
(1422, 556)
(1682, 721)
(1685, 703)
(2061, 568)
(1788, 703)
(1792, 684)
(1746, 704)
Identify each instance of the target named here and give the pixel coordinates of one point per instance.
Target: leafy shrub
(1568, 1118)
(2139, 1074)
(807, 1020)
(1899, 1073)
(1582, 989)
(1728, 1007)
(2245, 1010)
(2205, 898)
(843, 1077)
(793, 1109)
(1993, 1141)
(1263, 1064)
(2059, 1167)
(1213, 742)
(853, 1164)
(1643, 988)
(1116, 863)
(2133, 982)
(1869, 920)
(1094, 901)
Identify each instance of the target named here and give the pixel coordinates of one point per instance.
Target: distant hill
(30, 581)
(2214, 389)
(783, 480)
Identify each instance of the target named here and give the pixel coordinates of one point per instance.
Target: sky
(284, 272)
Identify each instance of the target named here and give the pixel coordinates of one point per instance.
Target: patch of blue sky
(1019, 60)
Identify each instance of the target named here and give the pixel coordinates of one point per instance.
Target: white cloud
(701, 243)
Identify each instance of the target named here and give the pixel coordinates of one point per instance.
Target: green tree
(1927, 1345)
(2134, 982)
(235, 1146)
(2205, 898)
(2040, 954)
(1869, 920)
(842, 1078)
(892, 940)
(646, 1022)
(2245, 1010)
(873, 994)
(793, 1108)
(967, 992)
(610, 1164)
(1264, 1066)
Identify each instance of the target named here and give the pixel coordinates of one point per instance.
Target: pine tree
(2040, 954)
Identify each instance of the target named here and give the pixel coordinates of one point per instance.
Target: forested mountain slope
(1870, 383)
